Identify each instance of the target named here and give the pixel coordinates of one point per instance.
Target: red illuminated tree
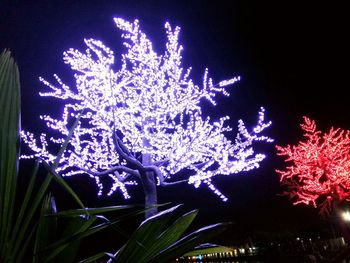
(319, 170)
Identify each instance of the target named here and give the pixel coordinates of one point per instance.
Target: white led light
(152, 101)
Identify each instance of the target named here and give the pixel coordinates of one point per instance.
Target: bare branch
(161, 162)
(125, 153)
(160, 175)
(200, 165)
(112, 170)
(165, 184)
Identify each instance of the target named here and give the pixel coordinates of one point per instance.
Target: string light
(152, 101)
(320, 167)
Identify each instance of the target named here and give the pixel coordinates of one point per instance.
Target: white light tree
(143, 123)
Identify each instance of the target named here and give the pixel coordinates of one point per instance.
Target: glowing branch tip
(229, 81)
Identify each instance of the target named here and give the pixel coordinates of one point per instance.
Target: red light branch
(319, 167)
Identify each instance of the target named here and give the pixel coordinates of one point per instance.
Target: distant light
(346, 216)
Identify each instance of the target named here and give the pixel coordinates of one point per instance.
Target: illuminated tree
(143, 122)
(319, 173)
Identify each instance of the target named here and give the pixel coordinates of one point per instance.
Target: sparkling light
(320, 167)
(149, 106)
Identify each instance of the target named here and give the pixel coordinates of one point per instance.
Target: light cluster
(150, 105)
(319, 173)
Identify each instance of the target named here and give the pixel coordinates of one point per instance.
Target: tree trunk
(149, 185)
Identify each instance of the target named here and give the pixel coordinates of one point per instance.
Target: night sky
(292, 58)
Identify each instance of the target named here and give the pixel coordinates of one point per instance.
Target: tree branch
(123, 151)
(200, 165)
(115, 171)
(161, 162)
(165, 184)
(160, 175)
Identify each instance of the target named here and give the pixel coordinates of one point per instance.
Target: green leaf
(92, 211)
(96, 257)
(47, 228)
(63, 183)
(144, 237)
(9, 126)
(76, 231)
(65, 248)
(158, 240)
(23, 251)
(84, 229)
(9, 137)
(66, 141)
(189, 242)
(25, 201)
(68, 253)
(27, 220)
(171, 234)
(51, 169)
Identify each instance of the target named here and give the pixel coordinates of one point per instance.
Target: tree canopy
(143, 119)
(319, 168)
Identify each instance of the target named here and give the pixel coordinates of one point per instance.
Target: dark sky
(292, 57)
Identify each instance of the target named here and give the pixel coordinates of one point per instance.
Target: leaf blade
(9, 137)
